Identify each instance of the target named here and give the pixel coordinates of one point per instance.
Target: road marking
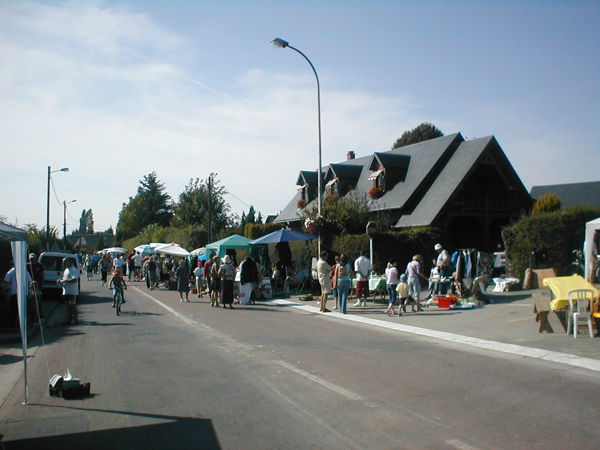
(512, 349)
(457, 443)
(340, 390)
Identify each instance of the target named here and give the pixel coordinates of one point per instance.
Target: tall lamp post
(64, 169)
(65, 203)
(277, 42)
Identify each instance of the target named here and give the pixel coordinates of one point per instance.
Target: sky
(114, 90)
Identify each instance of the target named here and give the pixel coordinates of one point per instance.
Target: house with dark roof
(573, 194)
(469, 189)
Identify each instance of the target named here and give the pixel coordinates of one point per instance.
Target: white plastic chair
(580, 302)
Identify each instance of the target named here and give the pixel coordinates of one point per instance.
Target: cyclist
(117, 282)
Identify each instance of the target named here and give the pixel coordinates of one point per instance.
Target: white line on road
(513, 349)
(457, 443)
(340, 390)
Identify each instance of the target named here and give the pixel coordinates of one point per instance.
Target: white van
(54, 269)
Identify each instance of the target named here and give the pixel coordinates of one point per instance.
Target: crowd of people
(214, 276)
(403, 289)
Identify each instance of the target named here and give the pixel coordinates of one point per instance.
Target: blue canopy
(283, 235)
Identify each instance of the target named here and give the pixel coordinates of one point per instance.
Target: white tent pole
(19, 251)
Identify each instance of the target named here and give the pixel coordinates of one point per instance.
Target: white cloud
(111, 120)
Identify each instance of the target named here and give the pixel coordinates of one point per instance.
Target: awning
(375, 174)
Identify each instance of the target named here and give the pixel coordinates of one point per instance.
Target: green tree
(86, 222)
(193, 205)
(423, 132)
(548, 202)
(151, 205)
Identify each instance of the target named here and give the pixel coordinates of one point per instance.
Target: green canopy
(234, 241)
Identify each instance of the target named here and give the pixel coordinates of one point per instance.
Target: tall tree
(423, 132)
(193, 205)
(151, 205)
(86, 222)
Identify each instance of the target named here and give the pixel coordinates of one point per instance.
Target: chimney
(350, 155)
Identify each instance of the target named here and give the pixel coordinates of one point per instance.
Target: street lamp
(277, 42)
(65, 203)
(64, 169)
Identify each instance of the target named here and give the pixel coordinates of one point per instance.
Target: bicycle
(118, 300)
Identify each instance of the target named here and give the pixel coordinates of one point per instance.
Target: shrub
(551, 236)
(546, 203)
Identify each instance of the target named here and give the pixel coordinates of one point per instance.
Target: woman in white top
(414, 271)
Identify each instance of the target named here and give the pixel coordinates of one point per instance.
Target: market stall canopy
(283, 235)
(10, 233)
(560, 287)
(145, 249)
(113, 250)
(234, 241)
(589, 246)
(172, 249)
(198, 251)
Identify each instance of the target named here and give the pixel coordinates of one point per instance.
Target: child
(199, 272)
(402, 290)
(117, 282)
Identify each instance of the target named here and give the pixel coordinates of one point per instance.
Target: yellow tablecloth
(560, 287)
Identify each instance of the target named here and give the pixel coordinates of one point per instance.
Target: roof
(435, 170)
(345, 170)
(572, 194)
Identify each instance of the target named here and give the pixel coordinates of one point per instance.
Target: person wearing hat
(443, 261)
(403, 294)
(70, 285)
(227, 274)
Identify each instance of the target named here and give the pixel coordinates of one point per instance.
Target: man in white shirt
(13, 302)
(138, 262)
(70, 285)
(362, 267)
(443, 261)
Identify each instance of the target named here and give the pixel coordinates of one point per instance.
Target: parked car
(54, 269)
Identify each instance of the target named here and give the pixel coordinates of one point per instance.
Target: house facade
(468, 188)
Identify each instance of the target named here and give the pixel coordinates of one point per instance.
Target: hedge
(550, 236)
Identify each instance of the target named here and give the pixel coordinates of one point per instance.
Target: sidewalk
(509, 319)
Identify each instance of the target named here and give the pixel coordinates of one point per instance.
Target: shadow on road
(175, 432)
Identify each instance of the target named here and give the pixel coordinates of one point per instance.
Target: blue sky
(117, 89)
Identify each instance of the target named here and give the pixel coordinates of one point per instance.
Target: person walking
(70, 286)
(414, 272)
(391, 275)
(215, 282)
(151, 268)
(199, 273)
(334, 289)
(104, 265)
(403, 291)
(182, 274)
(323, 273)
(362, 267)
(248, 279)
(343, 282)
(227, 274)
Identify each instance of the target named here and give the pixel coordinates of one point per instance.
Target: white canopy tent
(589, 246)
(18, 244)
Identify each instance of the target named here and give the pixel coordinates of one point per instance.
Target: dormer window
(332, 187)
(304, 192)
(378, 178)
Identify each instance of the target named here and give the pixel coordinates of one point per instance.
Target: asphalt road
(167, 374)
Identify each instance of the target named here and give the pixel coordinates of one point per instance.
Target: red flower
(376, 192)
(301, 203)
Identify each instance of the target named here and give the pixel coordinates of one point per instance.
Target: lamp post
(65, 203)
(64, 169)
(277, 42)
